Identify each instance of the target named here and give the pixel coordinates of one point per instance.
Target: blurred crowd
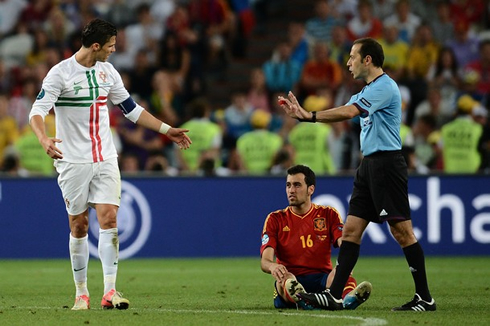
(169, 52)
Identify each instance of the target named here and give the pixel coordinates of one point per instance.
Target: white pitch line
(363, 321)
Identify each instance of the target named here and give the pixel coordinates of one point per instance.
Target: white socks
(79, 256)
(109, 256)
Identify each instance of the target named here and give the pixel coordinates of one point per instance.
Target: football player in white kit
(78, 89)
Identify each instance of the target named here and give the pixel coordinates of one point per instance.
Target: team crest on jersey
(41, 94)
(103, 76)
(319, 224)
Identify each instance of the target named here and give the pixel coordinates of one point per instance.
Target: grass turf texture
(234, 291)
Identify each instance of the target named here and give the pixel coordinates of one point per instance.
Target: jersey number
(306, 242)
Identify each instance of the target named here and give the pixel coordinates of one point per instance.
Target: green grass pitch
(234, 291)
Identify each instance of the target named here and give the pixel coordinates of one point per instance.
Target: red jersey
(303, 243)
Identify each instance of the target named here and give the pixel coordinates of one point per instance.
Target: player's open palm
(179, 136)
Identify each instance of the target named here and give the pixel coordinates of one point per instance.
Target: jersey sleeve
(49, 93)
(372, 99)
(120, 94)
(336, 225)
(269, 233)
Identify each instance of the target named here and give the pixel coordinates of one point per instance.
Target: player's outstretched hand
(292, 107)
(179, 136)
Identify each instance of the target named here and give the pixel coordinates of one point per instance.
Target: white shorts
(85, 184)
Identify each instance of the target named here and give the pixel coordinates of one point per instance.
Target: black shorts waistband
(384, 154)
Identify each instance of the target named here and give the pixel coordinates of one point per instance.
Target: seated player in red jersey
(297, 245)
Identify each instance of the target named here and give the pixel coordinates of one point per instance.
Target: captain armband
(131, 109)
(127, 105)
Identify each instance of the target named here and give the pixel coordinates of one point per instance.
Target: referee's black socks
(347, 259)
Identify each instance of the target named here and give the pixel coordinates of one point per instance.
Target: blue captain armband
(127, 105)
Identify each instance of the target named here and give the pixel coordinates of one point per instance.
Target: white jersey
(79, 97)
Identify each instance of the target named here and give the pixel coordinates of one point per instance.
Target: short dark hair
(371, 47)
(310, 178)
(98, 31)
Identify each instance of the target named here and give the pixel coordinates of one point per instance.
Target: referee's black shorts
(381, 188)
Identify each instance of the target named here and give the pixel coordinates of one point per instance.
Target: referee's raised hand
(293, 108)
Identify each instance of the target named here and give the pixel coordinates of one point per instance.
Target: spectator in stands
(396, 52)
(14, 48)
(445, 75)
(215, 23)
(383, 8)
(9, 131)
(442, 110)
(237, 117)
(311, 142)
(470, 11)
(39, 48)
(480, 115)
(10, 11)
(340, 45)
(129, 163)
(6, 78)
(207, 140)
(139, 140)
(422, 54)
(281, 72)
(122, 59)
(162, 9)
(481, 68)
(280, 122)
(425, 9)
(165, 103)
(235, 121)
(364, 23)
(319, 27)
(120, 14)
(59, 28)
(319, 72)
(258, 95)
(179, 22)
(36, 13)
(283, 160)
(405, 19)
(175, 60)
(441, 24)
(144, 35)
(344, 9)
(157, 162)
(191, 38)
(464, 44)
(460, 139)
(32, 157)
(256, 149)
(426, 151)
(141, 75)
(299, 42)
(20, 104)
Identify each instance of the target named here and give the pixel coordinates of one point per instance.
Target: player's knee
(79, 230)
